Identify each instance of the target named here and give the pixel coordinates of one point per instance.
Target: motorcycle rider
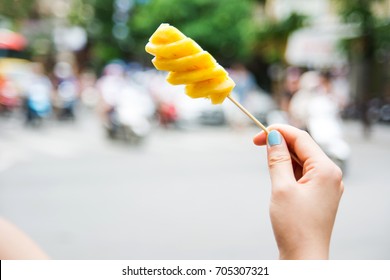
(313, 108)
(109, 85)
(38, 95)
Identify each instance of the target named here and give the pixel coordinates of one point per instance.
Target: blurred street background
(100, 158)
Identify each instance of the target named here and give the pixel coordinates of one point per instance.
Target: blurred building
(316, 45)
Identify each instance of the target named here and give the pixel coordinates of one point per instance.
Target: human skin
(16, 245)
(305, 197)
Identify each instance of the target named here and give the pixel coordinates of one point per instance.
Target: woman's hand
(304, 197)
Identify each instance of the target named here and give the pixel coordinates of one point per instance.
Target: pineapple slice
(197, 61)
(189, 77)
(176, 49)
(189, 64)
(166, 34)
(217, 89)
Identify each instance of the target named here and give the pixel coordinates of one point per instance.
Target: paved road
(195, 194)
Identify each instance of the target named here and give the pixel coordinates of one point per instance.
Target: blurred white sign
(317, 46)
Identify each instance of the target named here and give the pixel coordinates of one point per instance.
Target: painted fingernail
(274, 138)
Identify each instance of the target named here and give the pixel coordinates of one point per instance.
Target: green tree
(270, 48)
(17, 10)
(96, 16)
(369, 51)
(222, 27)
(272, 36)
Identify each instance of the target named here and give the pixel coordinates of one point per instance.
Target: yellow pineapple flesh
(189, 65)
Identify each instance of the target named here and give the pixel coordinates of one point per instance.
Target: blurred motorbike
(66, 100)
(167, 114)
(129, 119)
(37, 99)
(38, 105)
(9, 97)
(325, 127)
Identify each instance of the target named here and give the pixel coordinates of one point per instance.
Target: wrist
(306, 252)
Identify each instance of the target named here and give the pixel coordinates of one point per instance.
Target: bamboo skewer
(259, 124)
(246, 112)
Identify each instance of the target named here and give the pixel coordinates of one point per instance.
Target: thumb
(279, 161)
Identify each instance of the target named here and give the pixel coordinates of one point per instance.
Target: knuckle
(333, 172)
(341, 188)
(304, 134)
(277, 159)
(338, 174)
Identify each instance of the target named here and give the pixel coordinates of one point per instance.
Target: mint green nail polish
(274, 138)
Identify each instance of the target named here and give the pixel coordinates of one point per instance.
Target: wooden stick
(259, 124)
(295, 158)
(246, 112)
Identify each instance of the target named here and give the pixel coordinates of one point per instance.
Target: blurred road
(196, 194)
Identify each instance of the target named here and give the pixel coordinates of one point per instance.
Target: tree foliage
(16, 9)
(271, 36)
(222, 27)
(360, 13)
(369, 50)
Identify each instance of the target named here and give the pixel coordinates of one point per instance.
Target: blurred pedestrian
(244, 90)
(299, 105)
(245, 81)
(67, 90)
(89, 95)
(38, 95)
(314, 109)
(109, 86)
(290, 87)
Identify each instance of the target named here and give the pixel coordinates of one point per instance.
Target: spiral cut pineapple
(188, 64)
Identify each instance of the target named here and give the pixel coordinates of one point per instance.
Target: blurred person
(166, 114)
(298, 108)
(304, 199)
(167, 99)
(67, 91)
(133, 112)
(38, 95)
(245, 81)
(9, 96)
(314, 109)
(88, 92)
(126, 107)
(109, 85)
(336, 87)
(244, 90)
(290, 87)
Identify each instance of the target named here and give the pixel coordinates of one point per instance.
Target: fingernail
(274, 138)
